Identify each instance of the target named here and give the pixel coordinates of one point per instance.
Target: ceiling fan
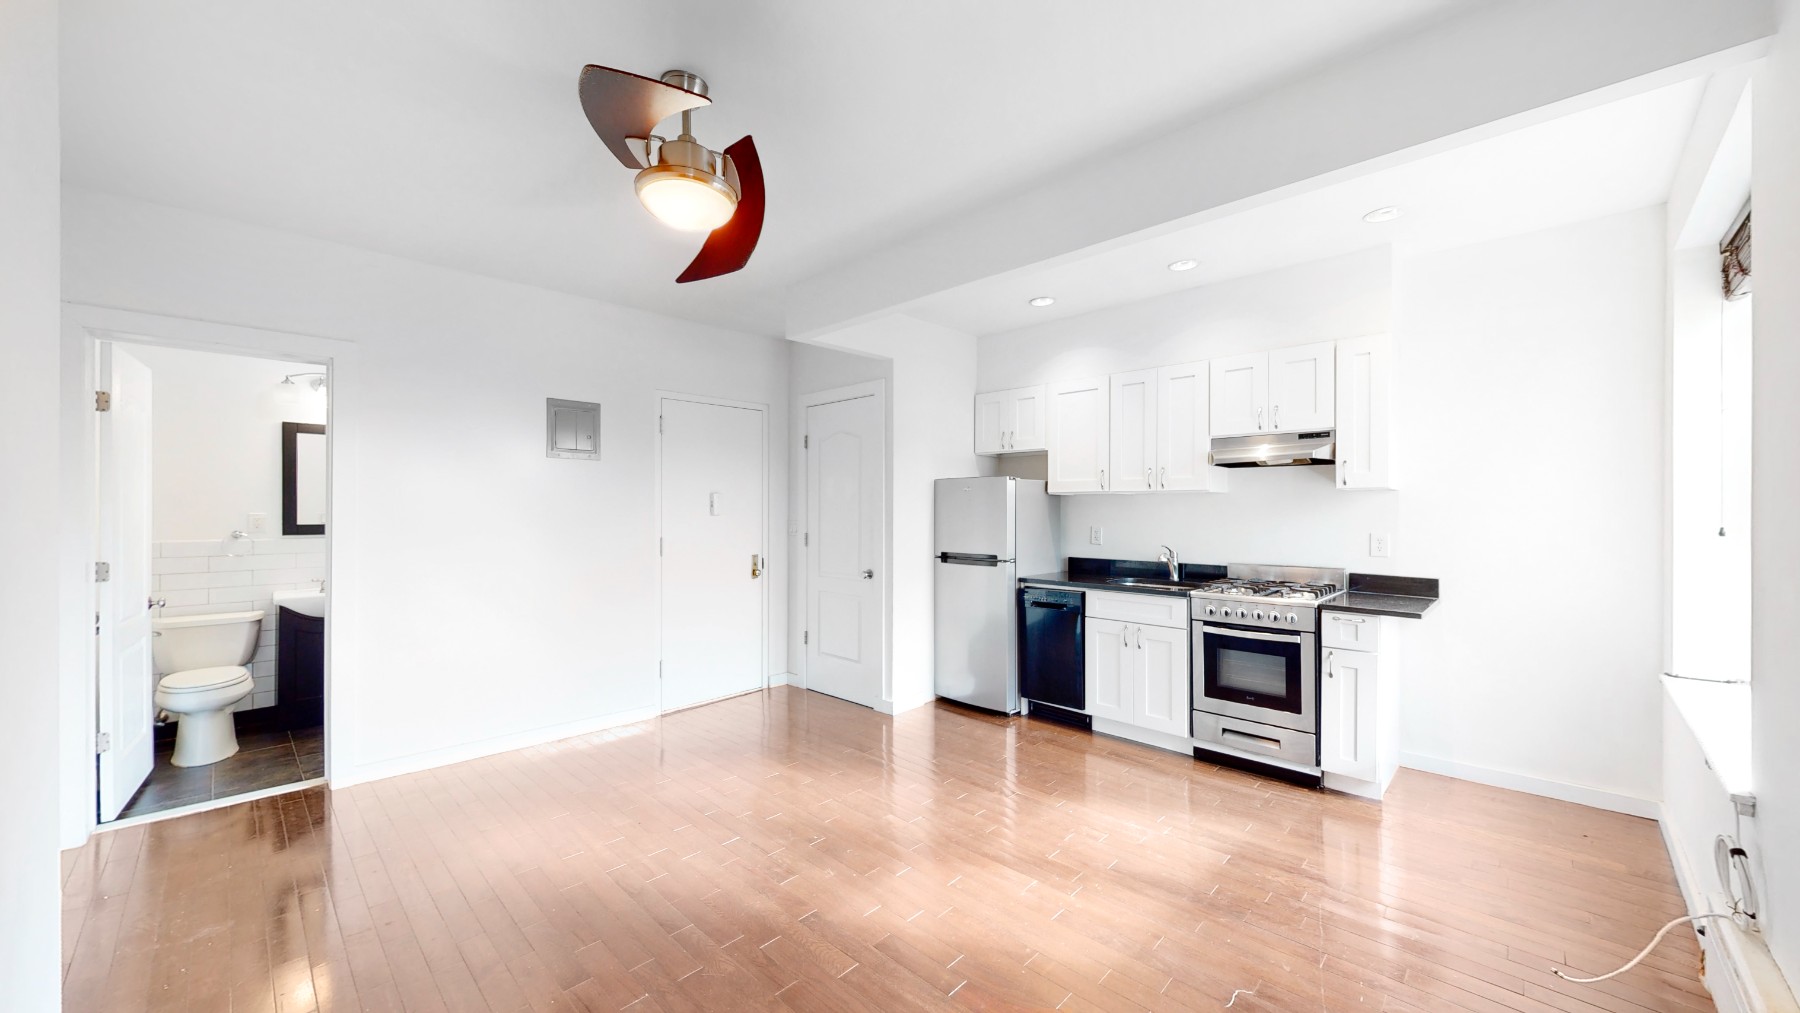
(685, 184)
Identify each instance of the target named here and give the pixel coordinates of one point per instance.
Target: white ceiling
(1604, 160)
(449, 132)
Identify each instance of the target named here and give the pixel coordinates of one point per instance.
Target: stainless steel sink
(1160, 585)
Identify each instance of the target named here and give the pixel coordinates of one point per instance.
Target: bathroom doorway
(212, 542)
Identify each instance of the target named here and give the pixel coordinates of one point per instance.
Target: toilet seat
(199, 680)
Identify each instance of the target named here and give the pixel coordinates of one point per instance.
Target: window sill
(1718, 713)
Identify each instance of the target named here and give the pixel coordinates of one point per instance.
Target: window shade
(1734, 257)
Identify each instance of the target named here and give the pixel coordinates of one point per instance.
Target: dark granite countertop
(1381, 594)
(1370, 604)
(1086, 574)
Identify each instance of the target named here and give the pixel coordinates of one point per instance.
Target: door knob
(755, 566)
(155, 603)
(868, 574)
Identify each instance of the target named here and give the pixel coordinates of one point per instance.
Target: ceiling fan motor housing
(690, 159)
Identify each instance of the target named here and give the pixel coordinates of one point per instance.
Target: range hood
(1275, 450)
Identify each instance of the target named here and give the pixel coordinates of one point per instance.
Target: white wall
(216, 438)
(1776, 485)
(541, 613)
(1504, 350)
(29, 166)
(931, 418)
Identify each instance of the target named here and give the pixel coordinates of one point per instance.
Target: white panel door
(1303, 387)
(1240, 394)
(1347, 714)
(990, 422)
(1025, 419)
(1184, 430)
(127, 680)
(1160, 686)
(1132, 457)
(1076, 435)
(846, 465)
(1106, 644)
(713, 524)
(1364, 375)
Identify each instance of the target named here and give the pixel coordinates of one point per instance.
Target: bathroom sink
(1153, 582)
(307, 603)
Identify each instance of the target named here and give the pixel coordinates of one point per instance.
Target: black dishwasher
(1052, 667)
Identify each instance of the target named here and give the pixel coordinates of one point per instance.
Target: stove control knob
(1293, 618)
(1242, 614)
(1257, 615)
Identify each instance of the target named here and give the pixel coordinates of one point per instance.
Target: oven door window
(1260, 673)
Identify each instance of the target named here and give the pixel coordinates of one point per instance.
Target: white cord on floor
(1645, 952)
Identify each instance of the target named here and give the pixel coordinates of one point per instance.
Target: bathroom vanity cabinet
(300, 671)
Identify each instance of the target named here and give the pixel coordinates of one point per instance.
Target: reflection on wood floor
(785, 850)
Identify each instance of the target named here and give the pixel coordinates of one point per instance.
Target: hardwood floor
(787, 851)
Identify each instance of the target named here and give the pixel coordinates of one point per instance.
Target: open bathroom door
(122, 600)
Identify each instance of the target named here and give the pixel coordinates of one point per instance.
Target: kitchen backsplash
(197, 577)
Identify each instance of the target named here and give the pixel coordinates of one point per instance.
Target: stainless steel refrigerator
(988, 533)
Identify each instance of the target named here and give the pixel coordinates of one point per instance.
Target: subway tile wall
(198, 577)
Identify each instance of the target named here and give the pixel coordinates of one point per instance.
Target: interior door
(1240, 394)
(127, 680)
(1076, 436)
(846, 469)
(713, 503)
(1133, 425)
(1303, 388)
(1183, 430)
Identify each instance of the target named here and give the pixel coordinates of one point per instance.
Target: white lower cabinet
(1138, 675)
(1347, 709)
(1108, 681)
(1359, 707)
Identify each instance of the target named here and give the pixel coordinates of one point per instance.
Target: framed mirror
(302, 478)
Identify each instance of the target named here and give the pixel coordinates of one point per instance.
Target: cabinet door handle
(1275, 417)
(1348, 619)
(1259, 424)
(1140, 638)
(1102, 478)
(1162, 481)
(1149, 478)
(1330, 656)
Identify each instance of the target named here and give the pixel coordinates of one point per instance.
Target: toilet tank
(212, 640)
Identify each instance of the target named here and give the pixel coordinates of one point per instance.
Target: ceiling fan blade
(728, 247)
(622, 105)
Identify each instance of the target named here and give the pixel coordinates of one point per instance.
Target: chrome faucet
(1168, 556)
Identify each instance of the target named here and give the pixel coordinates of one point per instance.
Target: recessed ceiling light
(1042, 300)
(1184, 265)
(1386, 214)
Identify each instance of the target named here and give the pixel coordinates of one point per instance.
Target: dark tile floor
(265, 759)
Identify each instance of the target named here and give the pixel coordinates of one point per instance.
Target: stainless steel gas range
(1256, 664)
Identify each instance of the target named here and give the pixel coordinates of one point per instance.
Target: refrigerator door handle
(970, 559)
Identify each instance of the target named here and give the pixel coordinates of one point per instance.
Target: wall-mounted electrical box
(572, 429)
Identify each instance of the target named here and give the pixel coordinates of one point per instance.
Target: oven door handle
(1279, 638)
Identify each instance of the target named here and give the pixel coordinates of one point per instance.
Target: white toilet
(202, 661)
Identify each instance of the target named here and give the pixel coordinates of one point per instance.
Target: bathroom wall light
(317, 382)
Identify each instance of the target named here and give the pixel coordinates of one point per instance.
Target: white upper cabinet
(1302, 387)
(1077, 435)
(1009, 421)
(990, 431)
(1240, 394)
(1184, 430)
(1133, 424)
(1364, 379)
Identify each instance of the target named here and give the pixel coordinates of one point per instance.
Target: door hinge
(103, 743)
(102, 572)
(806, 636)
(103, 400)
(659, 546)
(806, 539)
(806, 442)
(659, 419)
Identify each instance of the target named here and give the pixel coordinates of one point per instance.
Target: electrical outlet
(1096, 535)
(1378, 545)
(258, 524)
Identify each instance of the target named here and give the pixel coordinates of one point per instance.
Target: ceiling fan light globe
(686, 199)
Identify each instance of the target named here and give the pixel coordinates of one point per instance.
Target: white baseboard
(1598, 798)
(345, 776)
(783, 679)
